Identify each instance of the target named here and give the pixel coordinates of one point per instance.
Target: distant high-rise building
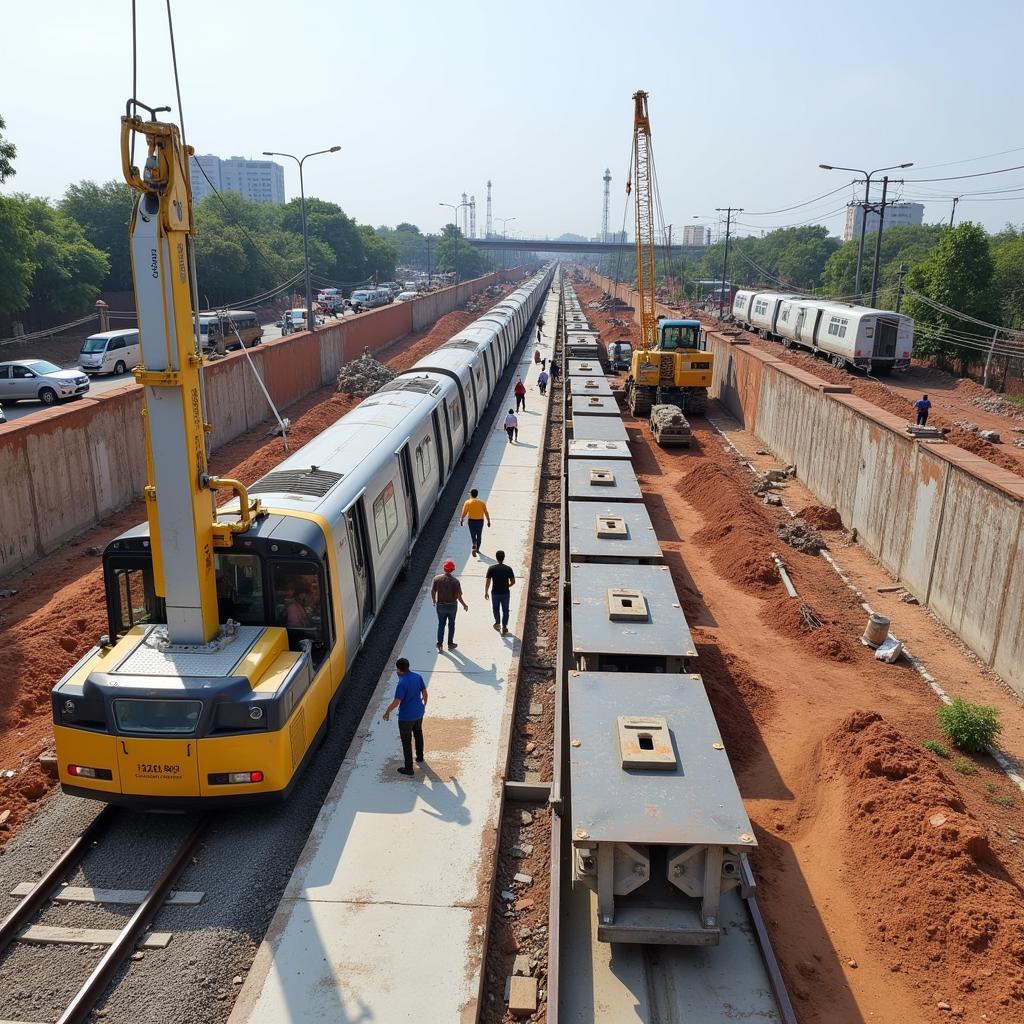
(259, 181)
(896, 215)
(695, 234)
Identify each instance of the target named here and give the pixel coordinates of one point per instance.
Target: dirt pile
(738, 531)
(799, 534)
(948, 915)
(821, 635)
(364, 376)
(821, 517)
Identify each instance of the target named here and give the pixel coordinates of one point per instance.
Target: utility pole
(988, 359)
(899, 285)
(472, 216)
(668, 258)
(728, 211)
(952, 213)
(426, 238)
(488, 229)
(607, 191)
(878, 241)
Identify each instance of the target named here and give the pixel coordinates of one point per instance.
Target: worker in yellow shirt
(475, 510)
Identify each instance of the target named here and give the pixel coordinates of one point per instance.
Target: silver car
(39, 380)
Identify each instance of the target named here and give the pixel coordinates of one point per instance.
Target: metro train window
(761, 307)
(423, 464)
(456, 413)
(385, 516)
(299, 602)
(240, 588)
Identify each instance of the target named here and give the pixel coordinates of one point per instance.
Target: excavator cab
(674, 335)
(676, 372)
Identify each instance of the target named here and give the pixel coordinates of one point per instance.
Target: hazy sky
(429, 100)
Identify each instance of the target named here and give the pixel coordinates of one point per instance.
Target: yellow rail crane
(671, 365)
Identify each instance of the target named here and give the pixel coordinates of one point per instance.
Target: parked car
(111, 352)
(295, 320)
(3, 415)
(39, 380)
(406, 296)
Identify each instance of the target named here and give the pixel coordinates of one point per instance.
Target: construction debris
(990, 435)
(799, 534)
(669, 426)
(807, 613)
(364, 376)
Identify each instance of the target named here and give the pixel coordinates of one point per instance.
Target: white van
(111, 352)
(363, 298)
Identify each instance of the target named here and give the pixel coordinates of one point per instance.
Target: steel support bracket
(158, 378)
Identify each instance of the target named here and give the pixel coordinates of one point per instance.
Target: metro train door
(411, 504)
(360, 564)
(440, 450)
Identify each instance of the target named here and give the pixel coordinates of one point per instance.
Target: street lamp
(864, 209)
(504, 238)
(454, 207)
(310, 315)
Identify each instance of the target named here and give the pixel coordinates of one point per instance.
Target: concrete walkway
(384, 916)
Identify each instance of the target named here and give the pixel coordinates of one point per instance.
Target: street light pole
(310, 315)
(504, 238)
(952, 213)
(864, 209)
(728, 211)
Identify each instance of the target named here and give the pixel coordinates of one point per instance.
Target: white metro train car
(875, 340)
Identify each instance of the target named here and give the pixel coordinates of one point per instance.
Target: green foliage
(969, 727)
(965, 767)
(796, 257)
(1008, 275)
(16, 265)
(380, 254)
(104, 212)
(1005, 800)
(935, 747)
(68, 269)
(958, 272)
(329, 224)
(455, 255)
(410, 245)
(8, 152)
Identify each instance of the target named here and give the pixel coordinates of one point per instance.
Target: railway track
(23, 925)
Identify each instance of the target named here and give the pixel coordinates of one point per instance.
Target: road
(98, 385)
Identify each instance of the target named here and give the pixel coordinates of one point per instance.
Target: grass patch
(969, 727)
(965, 767)
(935, 747)
(1004, 800)
(990, 787)
(1016, 399)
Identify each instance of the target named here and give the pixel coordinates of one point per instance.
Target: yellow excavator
(671, 365)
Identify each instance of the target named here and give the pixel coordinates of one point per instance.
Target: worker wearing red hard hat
(446, 596)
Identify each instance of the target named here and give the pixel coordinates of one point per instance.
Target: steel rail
(41, 892)
(89, 994)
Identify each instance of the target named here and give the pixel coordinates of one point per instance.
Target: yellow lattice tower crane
(672, 364)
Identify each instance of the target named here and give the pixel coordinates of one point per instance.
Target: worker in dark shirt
(498, 584)
(446, 595)
(922, 405)
(411, 701)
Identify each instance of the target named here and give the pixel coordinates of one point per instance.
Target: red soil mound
(738, 531)
(946, 908)
(829, 640)
(821, 517)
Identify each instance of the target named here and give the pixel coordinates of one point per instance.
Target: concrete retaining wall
(947, 524)
(66, 469)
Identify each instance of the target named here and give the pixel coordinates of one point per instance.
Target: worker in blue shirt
(411, 701)
(922, 405)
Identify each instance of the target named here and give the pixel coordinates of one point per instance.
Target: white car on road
(40, 380)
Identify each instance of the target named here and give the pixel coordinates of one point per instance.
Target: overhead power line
(797, 206)
(961, 177)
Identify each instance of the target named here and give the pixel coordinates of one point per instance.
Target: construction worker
(922, 405)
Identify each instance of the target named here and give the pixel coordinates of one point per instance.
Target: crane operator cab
(677, 372)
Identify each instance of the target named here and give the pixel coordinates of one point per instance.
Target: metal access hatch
(585, 368)
(611, 531)
(595, 405)
(591, 480)
(581, 449)
(590, 386)
(658, 828)
(599, 428)
(655, 638)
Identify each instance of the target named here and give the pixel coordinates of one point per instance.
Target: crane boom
(644, 205)
(179, 495)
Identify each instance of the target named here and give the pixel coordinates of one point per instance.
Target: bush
(969, 727)
(935, 747)
(1004, 800)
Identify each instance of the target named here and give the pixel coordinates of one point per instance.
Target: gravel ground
(243, 864)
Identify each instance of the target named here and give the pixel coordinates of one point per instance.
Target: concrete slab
(386, 905)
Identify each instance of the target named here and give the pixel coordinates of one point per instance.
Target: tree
(957, 273)
(332, 226)
(381, 254)
(104, 212)
(907, 244)
(456, 255)
(1008, 275)
(68, 269)
(7, 154)
(16, 266)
